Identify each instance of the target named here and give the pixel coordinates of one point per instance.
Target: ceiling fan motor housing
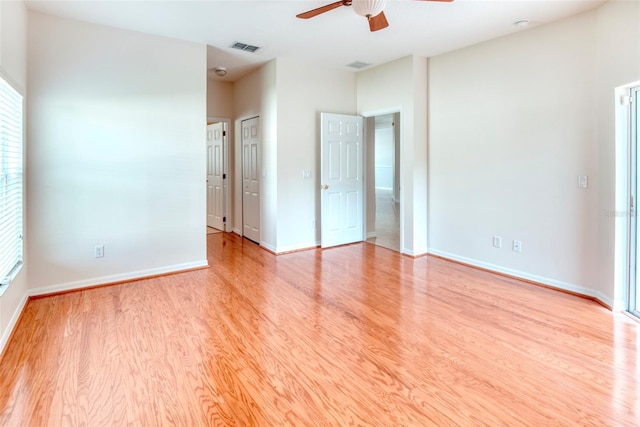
(368, 8)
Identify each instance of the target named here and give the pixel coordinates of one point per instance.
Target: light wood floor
(356, 335)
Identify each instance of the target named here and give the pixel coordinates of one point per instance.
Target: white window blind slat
(11, 182)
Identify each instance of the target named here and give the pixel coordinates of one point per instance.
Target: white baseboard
(412, 253)
(618, 305)
(294, 248)
(237, 231)
(371, 234)
(527, 276)
(97, 281)
(268, 246)
(12, 322)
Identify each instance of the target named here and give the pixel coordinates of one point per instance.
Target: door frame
(371, 115)
(633, 226)
(226, 169)
(620, 213)
(237, 166)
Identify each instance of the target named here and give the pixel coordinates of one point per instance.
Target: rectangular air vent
(245, 47)
(358, 65)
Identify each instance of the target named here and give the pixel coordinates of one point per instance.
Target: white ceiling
(334, 39)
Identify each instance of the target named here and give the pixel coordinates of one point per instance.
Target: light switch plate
(583, 181)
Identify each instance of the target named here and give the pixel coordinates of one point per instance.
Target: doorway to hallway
(384, 186)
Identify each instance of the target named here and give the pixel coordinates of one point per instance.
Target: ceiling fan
(370, 9)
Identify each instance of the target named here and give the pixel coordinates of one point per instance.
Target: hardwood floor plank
(355, 335)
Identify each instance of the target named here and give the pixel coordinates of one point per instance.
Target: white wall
(397, 157)
(116, 153)
(255, 95)
(384, 157)
(219, 98)
(617, 63)
(401, 85)
(304, 91)
(290, 144)
(513, 122)
(13, 68)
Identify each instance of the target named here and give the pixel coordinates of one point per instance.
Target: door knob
(325, 187)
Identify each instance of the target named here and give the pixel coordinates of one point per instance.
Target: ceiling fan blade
(318, 11)
(378, 22)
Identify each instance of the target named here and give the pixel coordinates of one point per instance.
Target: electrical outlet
(98, 251)
(497, 241)
(517, 246)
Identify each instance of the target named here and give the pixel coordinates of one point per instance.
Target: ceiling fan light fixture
(368, 8)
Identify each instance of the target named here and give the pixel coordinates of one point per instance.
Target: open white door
(215, 177)
(342, 179)
(251, 179)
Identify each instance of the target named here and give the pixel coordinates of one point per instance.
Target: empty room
(317, 213)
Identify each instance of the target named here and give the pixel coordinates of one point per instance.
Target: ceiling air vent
(358, 65)
(245, 47)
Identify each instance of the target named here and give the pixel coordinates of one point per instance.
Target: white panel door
(215, 176)
(251, 179)
(342, 179)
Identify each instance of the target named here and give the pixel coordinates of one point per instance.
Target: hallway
(387, 221)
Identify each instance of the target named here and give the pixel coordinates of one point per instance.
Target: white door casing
(631, 102)
(342, 179)
(251, 179)
(226, 201)
(215, 176)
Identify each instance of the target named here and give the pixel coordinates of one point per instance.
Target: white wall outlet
(306, 174)
(583, 181)
(497, 241)
(517, 246)
(98, 251)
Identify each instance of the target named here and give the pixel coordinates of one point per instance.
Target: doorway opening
(383, 180)
(218, 177)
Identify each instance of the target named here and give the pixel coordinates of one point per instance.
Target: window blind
(11, 182)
